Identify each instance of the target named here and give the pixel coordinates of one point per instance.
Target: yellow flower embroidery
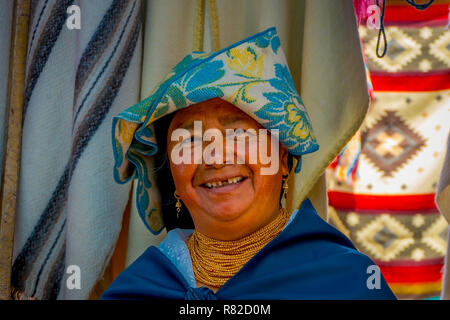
(126, 131)
(300, 129)
(246, 62)
(154, 219)
(293, 115)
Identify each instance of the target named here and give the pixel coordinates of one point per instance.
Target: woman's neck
(215, 261)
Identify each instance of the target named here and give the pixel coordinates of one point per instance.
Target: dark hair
(165, 182)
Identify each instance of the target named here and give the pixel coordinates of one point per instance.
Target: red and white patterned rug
(387, 205)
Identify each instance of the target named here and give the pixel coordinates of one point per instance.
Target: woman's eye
(241, 133)
(191, 140)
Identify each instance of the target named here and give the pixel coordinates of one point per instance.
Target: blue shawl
(309, 259)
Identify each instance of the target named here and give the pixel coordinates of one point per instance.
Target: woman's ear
(284, 155)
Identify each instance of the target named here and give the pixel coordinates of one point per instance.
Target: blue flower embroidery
(282, 111)
(195, 85)
(266, 39)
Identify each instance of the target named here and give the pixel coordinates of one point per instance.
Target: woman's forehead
(222, 111)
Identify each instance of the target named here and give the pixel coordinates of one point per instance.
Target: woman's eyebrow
(224, 121)
(187, 125)
(230, 120)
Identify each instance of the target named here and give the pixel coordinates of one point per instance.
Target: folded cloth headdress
(251, 74)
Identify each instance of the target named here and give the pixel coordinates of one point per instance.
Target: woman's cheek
(266, 184)
(182, 175)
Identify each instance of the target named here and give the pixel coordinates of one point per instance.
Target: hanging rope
(420, 6)
(214, 21)
(382, 33)
(199, 25)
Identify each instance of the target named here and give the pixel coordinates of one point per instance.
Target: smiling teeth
(224, 182)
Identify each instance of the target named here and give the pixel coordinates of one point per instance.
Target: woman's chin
(226, 214)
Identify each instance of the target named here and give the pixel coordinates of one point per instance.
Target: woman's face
(230, 200)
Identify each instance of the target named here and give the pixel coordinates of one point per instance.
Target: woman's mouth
(224, 183)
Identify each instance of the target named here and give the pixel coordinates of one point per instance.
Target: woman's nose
(214, 158)
(215, 165)
(218, 155)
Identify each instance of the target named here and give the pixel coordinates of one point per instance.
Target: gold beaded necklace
(215, 261)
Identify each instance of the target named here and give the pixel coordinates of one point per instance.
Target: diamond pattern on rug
(385, 237)
(409, 49)
(390, 143)
(436, 236)
(440, 48)
(401, 51)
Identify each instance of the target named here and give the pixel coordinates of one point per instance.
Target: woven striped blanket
(69, 208)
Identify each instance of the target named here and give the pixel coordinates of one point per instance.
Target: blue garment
(175, 249)
(309, 259)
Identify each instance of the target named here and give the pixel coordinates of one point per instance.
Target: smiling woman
(229, 235)
(227, 201)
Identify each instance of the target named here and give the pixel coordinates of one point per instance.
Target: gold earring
(178, 204)
(285, 186)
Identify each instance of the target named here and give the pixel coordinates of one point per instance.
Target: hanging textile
(389, 210)
(69, 208)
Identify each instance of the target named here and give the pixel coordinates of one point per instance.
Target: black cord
(381, 32)
(420, 6)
